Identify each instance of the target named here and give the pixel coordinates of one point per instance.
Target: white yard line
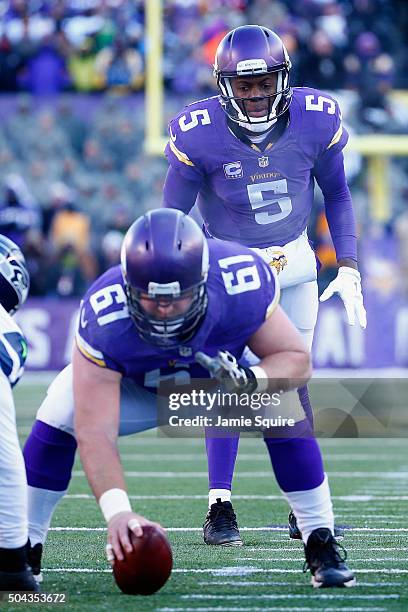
(388, 530)
(217, 572)
(252, 457)
(275, 550)
(317, 596)
(293, 559)
(345, 498)
(273, 609)
(262, 474)
(259, 583)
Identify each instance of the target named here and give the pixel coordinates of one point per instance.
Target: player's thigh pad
(137, 410)
(10, 452)
(301, 304)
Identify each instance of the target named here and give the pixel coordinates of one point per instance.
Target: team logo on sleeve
(263, 161)
(233, 170)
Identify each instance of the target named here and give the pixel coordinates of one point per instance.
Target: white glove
(347, 285)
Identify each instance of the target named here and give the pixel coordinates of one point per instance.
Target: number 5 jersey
(257, 197)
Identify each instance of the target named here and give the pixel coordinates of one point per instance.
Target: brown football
(146, 569)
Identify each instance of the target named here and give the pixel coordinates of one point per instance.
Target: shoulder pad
(103, 305)
(321, 118)
(187, 128)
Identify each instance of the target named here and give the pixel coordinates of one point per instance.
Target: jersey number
(320, 104)
(242, 279)
(197, 117)
(267, 194)
(106, 297)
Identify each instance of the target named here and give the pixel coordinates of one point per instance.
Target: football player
(173, 296)
(15, 574)
(250, 158)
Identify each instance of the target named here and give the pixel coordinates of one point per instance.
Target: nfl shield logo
(185, 351)
(263, 161)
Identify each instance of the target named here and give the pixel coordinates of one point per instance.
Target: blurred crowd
(71, 184)
(73, 171)
(49, 46)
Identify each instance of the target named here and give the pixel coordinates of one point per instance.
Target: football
(148, 566)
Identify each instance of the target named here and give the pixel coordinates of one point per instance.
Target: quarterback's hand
(118, 533)
(348, 286)
(225, 368)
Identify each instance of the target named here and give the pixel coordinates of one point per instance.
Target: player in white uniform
(15, 574)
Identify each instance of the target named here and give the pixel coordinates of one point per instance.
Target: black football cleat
(34, 554)
(18, 581)
(220, 527)
(295, 534)
(325, 561)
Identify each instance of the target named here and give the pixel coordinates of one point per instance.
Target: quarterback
(250, 158)
(15, 574)
(177, 306)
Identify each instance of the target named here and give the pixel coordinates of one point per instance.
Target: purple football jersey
(242, 292)
(257, 198)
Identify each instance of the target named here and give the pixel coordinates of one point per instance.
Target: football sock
(222, 494)
(221, 455)
(297, 462)
(49, 455)
(41, 506)
(313, 508)
(304, 398)
(298, 468)
(13, 559)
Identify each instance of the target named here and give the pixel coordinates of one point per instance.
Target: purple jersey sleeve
(321, 122)
(179, 192)
(324, 128)
(103, 319)
(330, 175)
(186, 132)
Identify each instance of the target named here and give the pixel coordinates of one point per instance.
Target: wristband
(114, 501)
(261, 378)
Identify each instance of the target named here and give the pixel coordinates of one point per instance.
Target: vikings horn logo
(278, 261)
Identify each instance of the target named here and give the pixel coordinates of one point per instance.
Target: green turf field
(167, 482)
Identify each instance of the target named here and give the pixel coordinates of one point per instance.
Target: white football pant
(13, 482)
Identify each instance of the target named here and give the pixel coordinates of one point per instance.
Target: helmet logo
(233, 170)
(251, 66)
(169, 289)
(263, 161)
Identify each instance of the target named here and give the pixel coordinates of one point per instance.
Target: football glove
(225, 368)
(347, 285)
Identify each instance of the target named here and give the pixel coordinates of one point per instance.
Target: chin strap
(270, 136)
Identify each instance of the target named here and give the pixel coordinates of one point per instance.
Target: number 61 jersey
(254, 197)
(242, 292)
